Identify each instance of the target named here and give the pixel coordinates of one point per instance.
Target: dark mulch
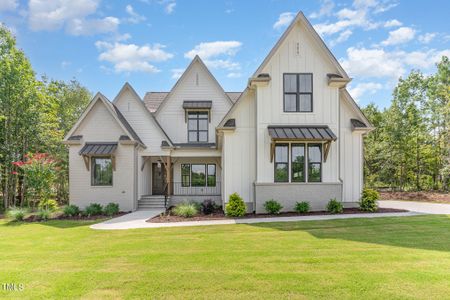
(221, 215)
(417, 196)
(35, 218)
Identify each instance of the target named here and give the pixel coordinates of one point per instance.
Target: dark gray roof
(165, 144)
(127, 125)
(124, 138)
(230, 123)
(332, 75)
(197, 104)
(195, 145)
(75, 138)
(319, 133)
(98, 149)
(152, 100)
(357, 123)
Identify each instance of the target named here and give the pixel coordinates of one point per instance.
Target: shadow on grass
(55, 223)
(430, 232)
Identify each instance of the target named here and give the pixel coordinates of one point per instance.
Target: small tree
(235, 206)
(39, 172)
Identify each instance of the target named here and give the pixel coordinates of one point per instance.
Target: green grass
(384, 258)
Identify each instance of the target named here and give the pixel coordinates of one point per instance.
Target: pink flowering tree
(39, 172)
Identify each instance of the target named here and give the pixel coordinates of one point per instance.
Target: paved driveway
(420, 207)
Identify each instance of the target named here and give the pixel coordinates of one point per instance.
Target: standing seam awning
(307, 133)
(197, 104)
(90, 149)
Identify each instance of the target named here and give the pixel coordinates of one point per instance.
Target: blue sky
(150, 42)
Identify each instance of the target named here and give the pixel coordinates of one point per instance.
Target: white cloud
(68, 14)
(284, 20)
(427, 37)
(326, 9)
(176, 73)
(217, 54)
(134, 16)
(222, 64)
(399, 36)
(364, 88)
(392, 23)
(170, 7)
(234, 75)
(8, 5)
(65, 64)
(132, 58)
(343, 36)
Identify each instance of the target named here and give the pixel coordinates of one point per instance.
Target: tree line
(410, 148)
(35, 114)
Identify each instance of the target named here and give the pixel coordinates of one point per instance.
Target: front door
(158, 179)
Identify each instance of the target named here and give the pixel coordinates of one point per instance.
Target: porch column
(169, 175)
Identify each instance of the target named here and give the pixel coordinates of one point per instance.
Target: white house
(294, 134)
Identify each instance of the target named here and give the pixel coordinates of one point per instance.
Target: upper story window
(298, 92)
(198, 126)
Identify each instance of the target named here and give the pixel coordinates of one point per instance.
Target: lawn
(383, 258)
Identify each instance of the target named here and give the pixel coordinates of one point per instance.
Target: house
(294, 134)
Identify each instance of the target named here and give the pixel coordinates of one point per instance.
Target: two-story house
(294, 134)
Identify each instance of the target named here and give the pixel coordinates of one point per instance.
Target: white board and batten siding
(100, 126)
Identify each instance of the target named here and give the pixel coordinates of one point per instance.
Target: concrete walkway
(138, 220)
(420, 207)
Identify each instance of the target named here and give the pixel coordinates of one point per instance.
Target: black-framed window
(101, 171)
(298, 92)
(298, 162)
(198, 126)
(314, 162)
(198, 175)
(185, 175)
(281, 163)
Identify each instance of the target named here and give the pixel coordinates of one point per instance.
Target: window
(185, 175)
(198, 175)
(281, 163)
(314, 162)
(303, 165)
(298, 92)
(298, 162)
(198, 126)
(101, 171)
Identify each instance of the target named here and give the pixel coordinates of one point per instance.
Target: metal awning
(305, 133)
(91, 149)
(197, 104)
(301, 133)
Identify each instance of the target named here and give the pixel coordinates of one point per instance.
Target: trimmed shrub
(208, 207)
(186, 210)
(302, 207)
(111, 209)
(94, 209)
(44, 214)
(235, 206)
(71, 210)
(16, 213)
(50, 205)
(335, 207)
(369, 200)
(272, 207)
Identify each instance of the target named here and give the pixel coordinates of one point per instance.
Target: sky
(149, 43)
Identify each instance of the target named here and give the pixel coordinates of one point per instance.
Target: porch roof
(303, 133)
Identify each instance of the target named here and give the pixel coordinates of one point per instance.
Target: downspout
(339, 146)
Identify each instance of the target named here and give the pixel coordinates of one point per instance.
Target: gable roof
(300, 17)
(198, 60)
(128, 86)
(362, 118)
(114, 111)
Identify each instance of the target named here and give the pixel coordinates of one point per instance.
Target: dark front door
(158, 179)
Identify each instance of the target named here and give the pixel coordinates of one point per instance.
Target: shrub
(272, 207)
(335, 207)
(302, 207)
(94, 209)
(209, 207)
(44, 214)
(48, 204)
(71, 210)
(186, 210)
(235, 206)
(369, 200)
(111, 209)
(16, 213)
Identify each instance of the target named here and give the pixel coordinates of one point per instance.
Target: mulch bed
(221, 215)
(35, 218)
(416, 196)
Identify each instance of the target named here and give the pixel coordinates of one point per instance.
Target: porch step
(151, 201)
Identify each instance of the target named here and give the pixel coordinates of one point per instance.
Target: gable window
(298, 162)
(298, 92)
(198, 126)
(198, 175)
(101, 171)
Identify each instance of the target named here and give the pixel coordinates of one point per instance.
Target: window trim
(189, 175)
(197, 131)
(275, 163)
(315, 163)
(298, 93)
(304, 145)
(206, 174)
(93, 158)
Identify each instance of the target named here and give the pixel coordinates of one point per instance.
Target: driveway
(420, 207)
